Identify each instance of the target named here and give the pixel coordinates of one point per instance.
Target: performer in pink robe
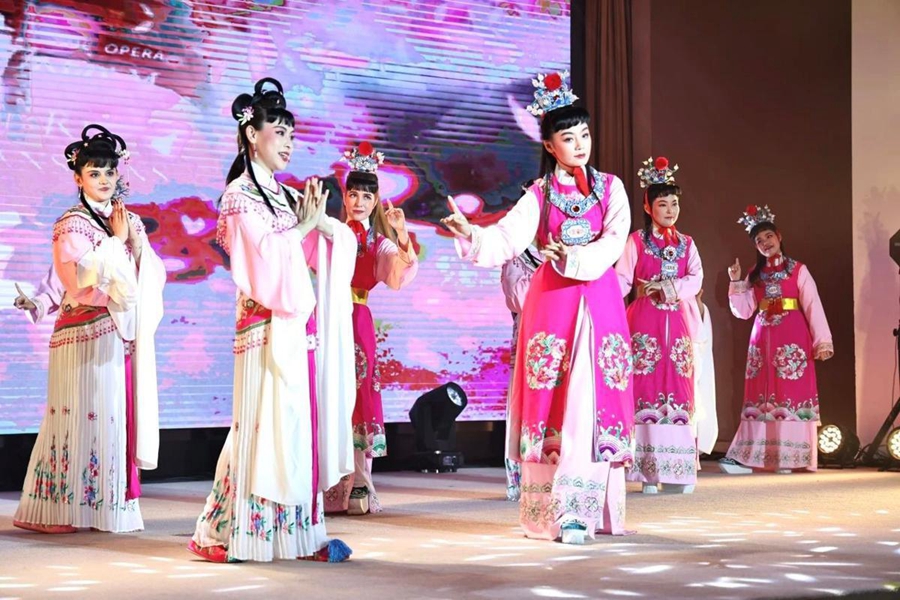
(781, 402)
(293, 392)
(384, 255)
(664, 266)
(572, 409)
(101, 423)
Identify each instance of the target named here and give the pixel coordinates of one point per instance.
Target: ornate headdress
(656, 172)
(754, 215)
(363, 158)
(552, 92)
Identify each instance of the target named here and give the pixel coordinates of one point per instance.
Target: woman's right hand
(457, 222)
(734, 271)
(22, 302)
(118, 221)
(309, 210)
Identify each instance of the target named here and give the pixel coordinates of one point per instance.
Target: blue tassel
(338, 551)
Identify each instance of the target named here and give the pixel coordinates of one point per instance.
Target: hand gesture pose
(118, 221)
(310, 210)
(397, 220)
(734, 271)
(22, 302)
(649, 288)
(457, 222)
(554, 249)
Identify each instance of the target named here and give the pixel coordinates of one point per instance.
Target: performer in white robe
(294, 374)
(101, 423)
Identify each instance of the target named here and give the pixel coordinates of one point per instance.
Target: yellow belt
(360, 296)
(786, 303)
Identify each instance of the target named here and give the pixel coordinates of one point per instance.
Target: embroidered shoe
(733, 467)
(359, 501)
(45, 528)
(573, 532)
(334, 552)
(216, 554)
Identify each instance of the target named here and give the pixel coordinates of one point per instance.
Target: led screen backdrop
(438, 85)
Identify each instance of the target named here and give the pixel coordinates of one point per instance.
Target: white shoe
(573, 536)
(678, 488)
(733, 467)
(783, 471)
(650, 488)
(573, 532)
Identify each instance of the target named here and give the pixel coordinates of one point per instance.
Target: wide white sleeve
(495, 245)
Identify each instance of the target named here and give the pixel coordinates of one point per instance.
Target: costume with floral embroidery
(662, 332)
(378, 260)
(101, 421)
(571, 407)
(293, 351)
(780, 412)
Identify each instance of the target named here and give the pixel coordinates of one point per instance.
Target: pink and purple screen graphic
(439, 86)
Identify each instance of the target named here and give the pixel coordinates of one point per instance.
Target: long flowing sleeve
(47, 297)
(741, 299)
(591, 261)
(394, 267)
(626, 265)
(813, 310)
(151, 280)
(267, 265)
(498, 244)
(336, 395)
(93, 275)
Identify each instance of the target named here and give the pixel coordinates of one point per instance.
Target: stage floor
(455, 535)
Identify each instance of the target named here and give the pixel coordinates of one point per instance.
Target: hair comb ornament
(552, 92)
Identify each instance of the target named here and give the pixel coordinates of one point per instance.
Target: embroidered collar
(574, 204)
(667, 253)
(779, 273)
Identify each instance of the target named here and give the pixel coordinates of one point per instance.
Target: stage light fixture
(838, 446)
(893, 443)
(433, 416)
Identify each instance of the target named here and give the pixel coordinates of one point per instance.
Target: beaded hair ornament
(363, 158)
(754, 215)
(656, 172)
(552, 92)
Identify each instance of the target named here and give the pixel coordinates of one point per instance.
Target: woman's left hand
(824, 352)
(554, 249)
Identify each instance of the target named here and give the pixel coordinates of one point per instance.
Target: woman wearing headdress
(101, 423)
(781, 401)
(384, 255)
(571, 406)
(663, 266)
(293, 365)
